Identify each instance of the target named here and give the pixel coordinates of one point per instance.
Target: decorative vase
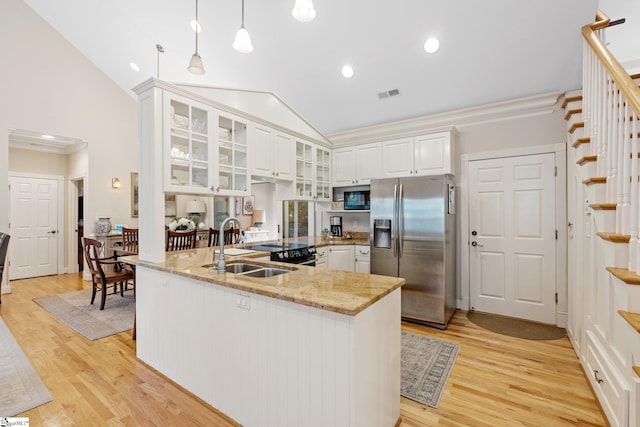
(103, 225)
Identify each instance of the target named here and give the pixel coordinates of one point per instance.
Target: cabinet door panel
(368, 163)
(260, 153)
(432, 154)
(397, 157)
(344, 166)
(283, 156)
(341, 258)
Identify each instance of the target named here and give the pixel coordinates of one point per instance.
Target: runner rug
(74, 310)
(426, 364)
(21, 388)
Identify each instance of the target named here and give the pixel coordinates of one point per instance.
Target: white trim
(559, 149)
(60, 268)
(501, 111)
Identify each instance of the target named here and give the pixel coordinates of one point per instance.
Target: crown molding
(500, 111)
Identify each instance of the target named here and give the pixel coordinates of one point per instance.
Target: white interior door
(33, 224)
(512, 259)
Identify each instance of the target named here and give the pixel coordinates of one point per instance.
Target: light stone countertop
(333, 290)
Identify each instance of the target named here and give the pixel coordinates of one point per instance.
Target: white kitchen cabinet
(312, 172)
(430, 154)
(341, 257)
(322, 257)
(188, 153)
(256, 236)
(362, 259)
(272, 154)
(232, 173)
(357, 165)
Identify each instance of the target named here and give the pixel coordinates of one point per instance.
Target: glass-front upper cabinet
(232, 176)
(187, 146)
(304, 170)
(323, 174)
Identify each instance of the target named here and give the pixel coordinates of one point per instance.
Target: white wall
(50, 87)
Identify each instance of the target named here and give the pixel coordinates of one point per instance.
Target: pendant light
(195, 64)
(303, 11)
(242, 42)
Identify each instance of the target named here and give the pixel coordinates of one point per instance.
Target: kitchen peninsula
(308, 347)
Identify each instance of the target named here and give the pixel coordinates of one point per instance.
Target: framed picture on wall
(134, 194)
(247, 205)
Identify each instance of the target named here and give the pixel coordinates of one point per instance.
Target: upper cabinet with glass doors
(232, 176)
(313, 172)
(188, 143)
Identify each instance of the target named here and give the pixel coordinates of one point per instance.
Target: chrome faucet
(220, 262)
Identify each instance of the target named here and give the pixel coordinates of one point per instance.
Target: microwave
(357, 200)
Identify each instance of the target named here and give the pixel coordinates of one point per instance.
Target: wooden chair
(214, 237)
(130, 239)
(4, 245)
(105, 272)
(232, 236)
(180, 240)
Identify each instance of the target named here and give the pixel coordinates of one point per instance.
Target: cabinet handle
(595, 376)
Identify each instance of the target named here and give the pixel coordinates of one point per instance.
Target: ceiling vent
(388, 94)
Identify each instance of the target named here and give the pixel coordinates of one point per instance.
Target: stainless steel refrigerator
(413, 236)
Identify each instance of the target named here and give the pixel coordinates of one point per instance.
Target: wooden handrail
(616, 71)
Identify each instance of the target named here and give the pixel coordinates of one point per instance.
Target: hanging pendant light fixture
(195, 64)
(242, 42)
(303, 11)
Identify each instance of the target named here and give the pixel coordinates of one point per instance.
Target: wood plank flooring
(497, 380)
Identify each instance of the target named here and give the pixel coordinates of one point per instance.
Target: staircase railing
(611, 106)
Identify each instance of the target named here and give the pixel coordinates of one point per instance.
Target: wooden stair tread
(625, 275)
(603, 206)
(613, 237)
(581, 140)
(634, 320)
(575, 126)
(569, 99)
(572, 112)
(595, 180)
(587, 159)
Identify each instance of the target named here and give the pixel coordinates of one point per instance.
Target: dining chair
(232, 236)
(180, 240)
(105, 272)
(4, 245)
(214, 237)
(130, 239)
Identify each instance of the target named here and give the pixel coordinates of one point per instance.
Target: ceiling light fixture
(303, 11)
(242, 42)
(45, 136)
(134, 66)
(160, 50)
(431, 45)
(195, 26)
(347, 71)
(195, 64)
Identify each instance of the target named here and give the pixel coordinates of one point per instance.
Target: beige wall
(50, 87)
(38, 162)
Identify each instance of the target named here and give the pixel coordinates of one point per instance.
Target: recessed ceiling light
(347, 71)
(195, 26)
(134, 66)
(48, 136)
(431, 45)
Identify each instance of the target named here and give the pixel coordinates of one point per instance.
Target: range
(292, 253)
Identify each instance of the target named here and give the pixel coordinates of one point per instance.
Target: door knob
(476, 244)
(474, 233)
(51, 232)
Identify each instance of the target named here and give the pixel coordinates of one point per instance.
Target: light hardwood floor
(496, 381)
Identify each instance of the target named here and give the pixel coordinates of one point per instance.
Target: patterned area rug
(20, 387)
(74, 310)
(426, 364)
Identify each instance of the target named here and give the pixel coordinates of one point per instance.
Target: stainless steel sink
(240, 267)
(266, 272)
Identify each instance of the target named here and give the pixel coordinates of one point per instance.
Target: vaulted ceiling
(490, 50)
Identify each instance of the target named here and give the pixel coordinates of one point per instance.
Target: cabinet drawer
(610, 389)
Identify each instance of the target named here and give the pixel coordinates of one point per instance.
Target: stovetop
(276, 247)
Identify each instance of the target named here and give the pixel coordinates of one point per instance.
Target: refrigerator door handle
(400, 223)
(394, 226)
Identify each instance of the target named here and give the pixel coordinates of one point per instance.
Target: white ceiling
(491, 50)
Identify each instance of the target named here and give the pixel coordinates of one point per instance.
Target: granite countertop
(333, 290)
